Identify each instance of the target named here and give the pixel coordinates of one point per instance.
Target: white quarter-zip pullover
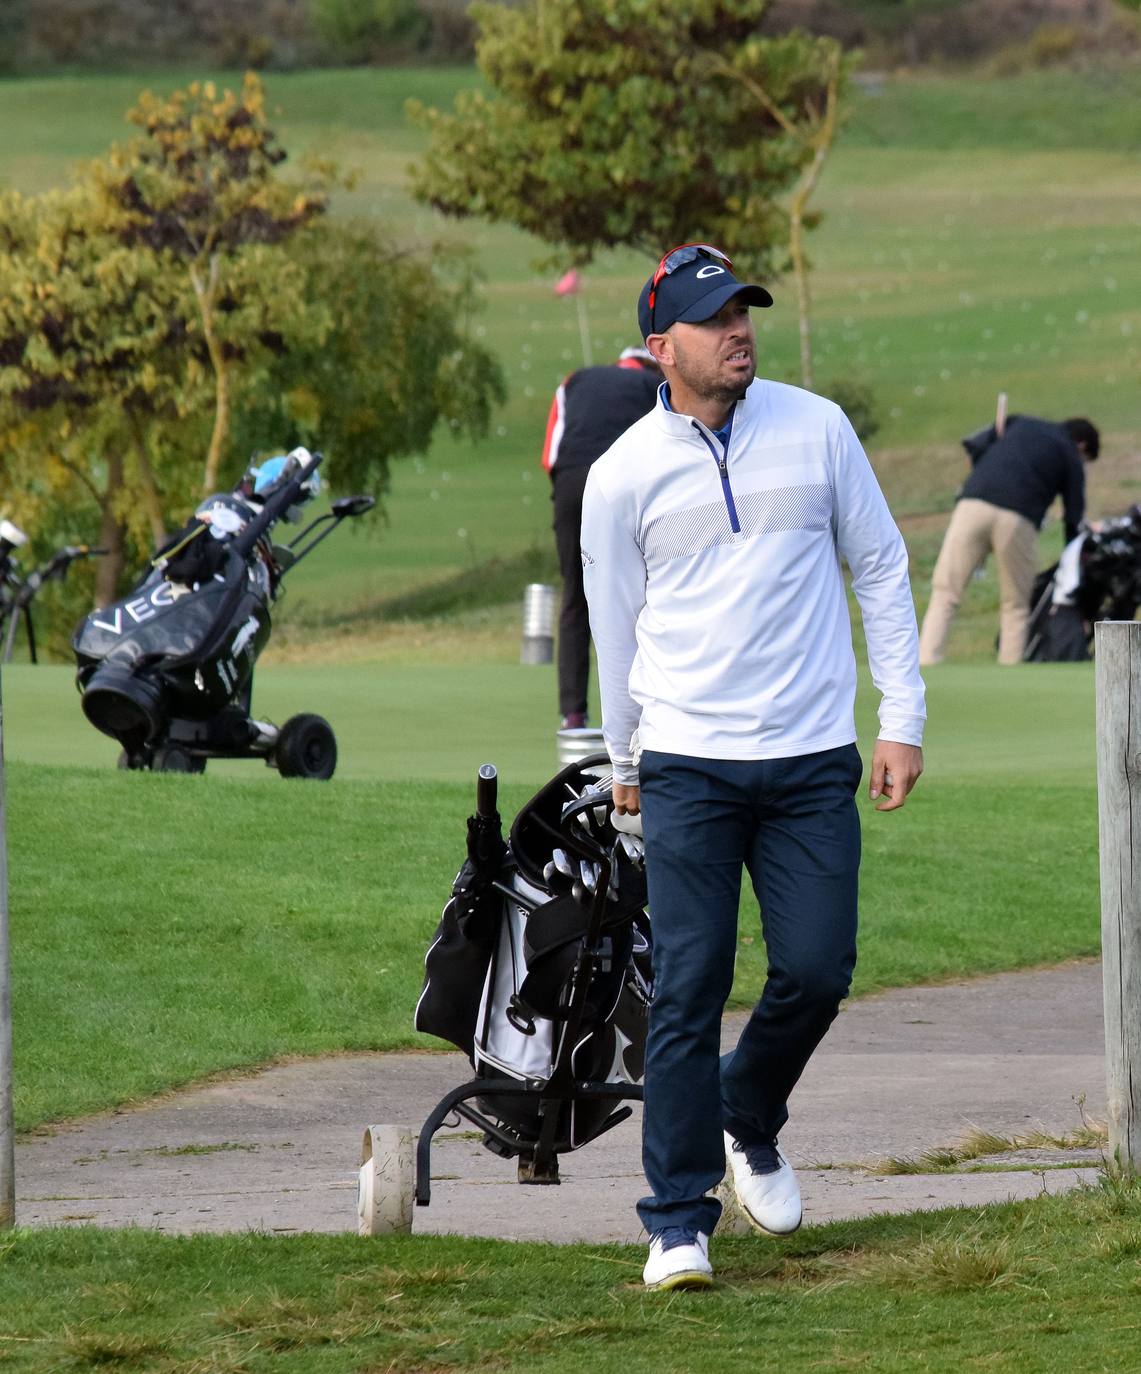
(717, 601)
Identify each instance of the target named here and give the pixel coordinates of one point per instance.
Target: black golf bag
(540, 972)
(18, 589)
(168, 670)
(1098, 577)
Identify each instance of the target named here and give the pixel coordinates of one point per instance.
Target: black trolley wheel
(306, 748)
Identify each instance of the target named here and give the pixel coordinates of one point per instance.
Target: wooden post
(1118, 656)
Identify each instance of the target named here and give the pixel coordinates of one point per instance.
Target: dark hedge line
(281, 34)
(262, 34)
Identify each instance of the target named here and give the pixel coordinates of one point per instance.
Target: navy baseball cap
(694, 291)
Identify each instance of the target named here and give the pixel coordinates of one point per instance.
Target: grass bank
(1048, 1286)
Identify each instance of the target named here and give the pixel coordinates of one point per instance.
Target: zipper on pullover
(722, 461)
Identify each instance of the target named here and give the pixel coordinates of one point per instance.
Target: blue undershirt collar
(722, 434)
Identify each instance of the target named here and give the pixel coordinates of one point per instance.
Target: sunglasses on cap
(678, 257)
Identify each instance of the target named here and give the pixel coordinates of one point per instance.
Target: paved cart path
(899, 1073)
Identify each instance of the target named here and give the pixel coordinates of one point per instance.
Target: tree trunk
(109, 568)
(205, 292)
(821, 144)
(800, 271)
(152, 504)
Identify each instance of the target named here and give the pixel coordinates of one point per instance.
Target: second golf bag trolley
(1098, 577)
(168, 670)
(540, 971)
(19, 589)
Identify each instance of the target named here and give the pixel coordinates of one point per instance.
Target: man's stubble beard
(706, 386)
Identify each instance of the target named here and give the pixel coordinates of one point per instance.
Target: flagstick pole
(583, 329)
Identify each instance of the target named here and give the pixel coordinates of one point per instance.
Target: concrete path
(898, 1074)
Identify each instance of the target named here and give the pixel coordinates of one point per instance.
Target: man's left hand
(895, 771)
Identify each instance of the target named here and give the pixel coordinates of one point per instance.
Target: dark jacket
(1024, 471)
(592, 408)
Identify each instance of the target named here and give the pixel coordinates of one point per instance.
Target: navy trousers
(792, 824)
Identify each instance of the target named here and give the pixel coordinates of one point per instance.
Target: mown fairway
(978, 236)
(165, 926)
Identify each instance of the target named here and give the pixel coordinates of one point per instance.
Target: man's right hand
(626, 799)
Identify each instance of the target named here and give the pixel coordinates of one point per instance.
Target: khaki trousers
(976, 529)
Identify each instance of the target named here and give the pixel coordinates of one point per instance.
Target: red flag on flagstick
(568, 283)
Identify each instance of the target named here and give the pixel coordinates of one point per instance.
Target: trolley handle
(277, 503)
(487, 791)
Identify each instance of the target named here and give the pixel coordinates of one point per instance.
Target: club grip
(486, 790)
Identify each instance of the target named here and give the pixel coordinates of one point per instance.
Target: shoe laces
(762, 1158)
(670, 1237)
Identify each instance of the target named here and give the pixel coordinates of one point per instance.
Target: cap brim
(711, 303)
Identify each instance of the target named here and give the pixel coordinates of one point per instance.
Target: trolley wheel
(385, 1183)
(172, 759)
(306, 748)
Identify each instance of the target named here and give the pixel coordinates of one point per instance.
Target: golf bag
(540, 972)
(1098, 577)
(168, 670)
(18, 589)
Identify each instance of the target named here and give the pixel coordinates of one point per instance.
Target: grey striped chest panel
(683, 533)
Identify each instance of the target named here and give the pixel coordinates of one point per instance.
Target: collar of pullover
(676, 423)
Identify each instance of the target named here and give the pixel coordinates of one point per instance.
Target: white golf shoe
(765, 1186)
(679, 1258)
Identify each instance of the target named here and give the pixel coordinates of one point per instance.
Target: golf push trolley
(540, 972)
(168, 670)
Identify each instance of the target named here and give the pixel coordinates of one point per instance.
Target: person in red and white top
(591, 408)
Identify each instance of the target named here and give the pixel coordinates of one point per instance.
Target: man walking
(1017, 469)
(712, 537)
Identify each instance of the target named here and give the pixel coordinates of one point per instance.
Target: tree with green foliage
(176, 303)
(199, 189)
(89, 332)
(614, 123)
(396, 360)
(130, 299)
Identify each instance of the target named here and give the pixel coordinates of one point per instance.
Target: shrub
(356, 31)
(1056, 43)
(857, 400)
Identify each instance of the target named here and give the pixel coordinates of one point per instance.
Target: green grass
(977, 236)
(1054, 110)
(961, 253)
(210, 922)
(1048, 1286)
(977, 1144)
(409, 717)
